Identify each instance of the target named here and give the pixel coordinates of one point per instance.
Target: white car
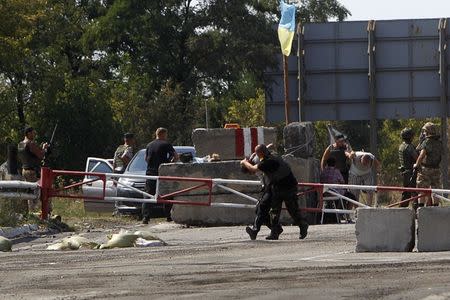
(95, 189)
(137, 166)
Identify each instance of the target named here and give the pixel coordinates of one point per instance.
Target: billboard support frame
(301, 71)
(372, 85)
(442, 28)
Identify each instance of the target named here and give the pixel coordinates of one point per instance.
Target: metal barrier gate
(48, 190)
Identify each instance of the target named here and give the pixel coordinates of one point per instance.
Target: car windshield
(138, 163)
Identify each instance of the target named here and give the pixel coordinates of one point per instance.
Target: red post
(320, 191)
(46, 184)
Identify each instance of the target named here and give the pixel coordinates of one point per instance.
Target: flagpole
(286, 88)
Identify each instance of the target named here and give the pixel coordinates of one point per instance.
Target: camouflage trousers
(429, 178)
(34, 204)
(30, 176)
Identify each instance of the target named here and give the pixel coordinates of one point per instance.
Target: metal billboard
(363, 70)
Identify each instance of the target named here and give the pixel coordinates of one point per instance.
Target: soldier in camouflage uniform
(124, 153)
(427, 164)
(407, 155)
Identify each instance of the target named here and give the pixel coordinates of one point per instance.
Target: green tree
(249, 112)
(98, 68)
(19, 19)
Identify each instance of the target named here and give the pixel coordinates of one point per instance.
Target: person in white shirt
(361, 172)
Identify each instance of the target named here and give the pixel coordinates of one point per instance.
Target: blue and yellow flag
(286, 28)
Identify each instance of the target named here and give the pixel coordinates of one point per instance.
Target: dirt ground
(222, 263)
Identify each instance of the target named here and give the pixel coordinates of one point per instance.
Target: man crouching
(283, 187)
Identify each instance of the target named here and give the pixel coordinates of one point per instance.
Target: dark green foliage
(99, 68)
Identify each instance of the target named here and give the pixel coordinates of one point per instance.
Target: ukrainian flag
(286, 28)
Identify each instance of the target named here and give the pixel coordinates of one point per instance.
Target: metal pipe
(18, 184)
(134, 189)
(346, 198)
(441, 197)
(237, 193)
(24, 196)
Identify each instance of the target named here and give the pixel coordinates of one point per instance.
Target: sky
(396, 9)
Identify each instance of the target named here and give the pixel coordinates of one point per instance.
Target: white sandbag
(77, 242)
(122, 239)
(73, 243)
(57, 246)
(140, 242)
(5, 244)
(145, 235)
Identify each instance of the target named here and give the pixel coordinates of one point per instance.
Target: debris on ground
(56, 223)
(122, 239)
(140, 242)
(5, 244)
(73, 243)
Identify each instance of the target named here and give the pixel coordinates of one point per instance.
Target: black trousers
(290, 198)
(262, 210)
(150, 187)
(408, 181)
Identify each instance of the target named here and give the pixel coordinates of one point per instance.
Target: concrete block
(212, 216)
(304, 169)
(299, 139)
(231, 143)
(202, 215)
(385, 230)
(433, 233)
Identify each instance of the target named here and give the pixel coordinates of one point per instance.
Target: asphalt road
(222, 263)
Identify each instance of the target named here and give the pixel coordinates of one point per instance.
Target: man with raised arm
(283, 187)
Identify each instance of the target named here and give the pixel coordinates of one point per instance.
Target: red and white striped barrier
(247, 139)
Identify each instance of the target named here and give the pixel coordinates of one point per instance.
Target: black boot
(252, 232)
(272, 236)
(303, 230)
(275, 232)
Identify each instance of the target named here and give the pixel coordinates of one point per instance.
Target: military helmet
(430, 129)
(407, 133)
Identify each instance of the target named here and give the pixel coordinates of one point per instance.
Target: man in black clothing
(158, 152)
(283, 187)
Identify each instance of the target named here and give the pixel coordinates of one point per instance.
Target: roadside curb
(12, 232)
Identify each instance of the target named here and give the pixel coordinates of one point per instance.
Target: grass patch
(73, 213)
(11, 212)
(71, 208)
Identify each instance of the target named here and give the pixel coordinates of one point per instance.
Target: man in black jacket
(158, 152)
(283, 187)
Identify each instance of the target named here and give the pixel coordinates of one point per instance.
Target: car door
(95, 189)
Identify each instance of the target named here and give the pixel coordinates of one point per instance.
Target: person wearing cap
(360, 172)
(124, 153)
(30, 155)
(283, 187)
(340, 151)
(428, 162)
(407, 155)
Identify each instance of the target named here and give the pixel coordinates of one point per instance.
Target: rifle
(48, 150)
(413, 178)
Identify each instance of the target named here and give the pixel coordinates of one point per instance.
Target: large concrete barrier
(304, 169)
(299, 139)
(433, 229)
(380, 229)
(231, 143)
(201, 215)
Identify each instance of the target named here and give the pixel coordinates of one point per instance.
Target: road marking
(324, 255)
